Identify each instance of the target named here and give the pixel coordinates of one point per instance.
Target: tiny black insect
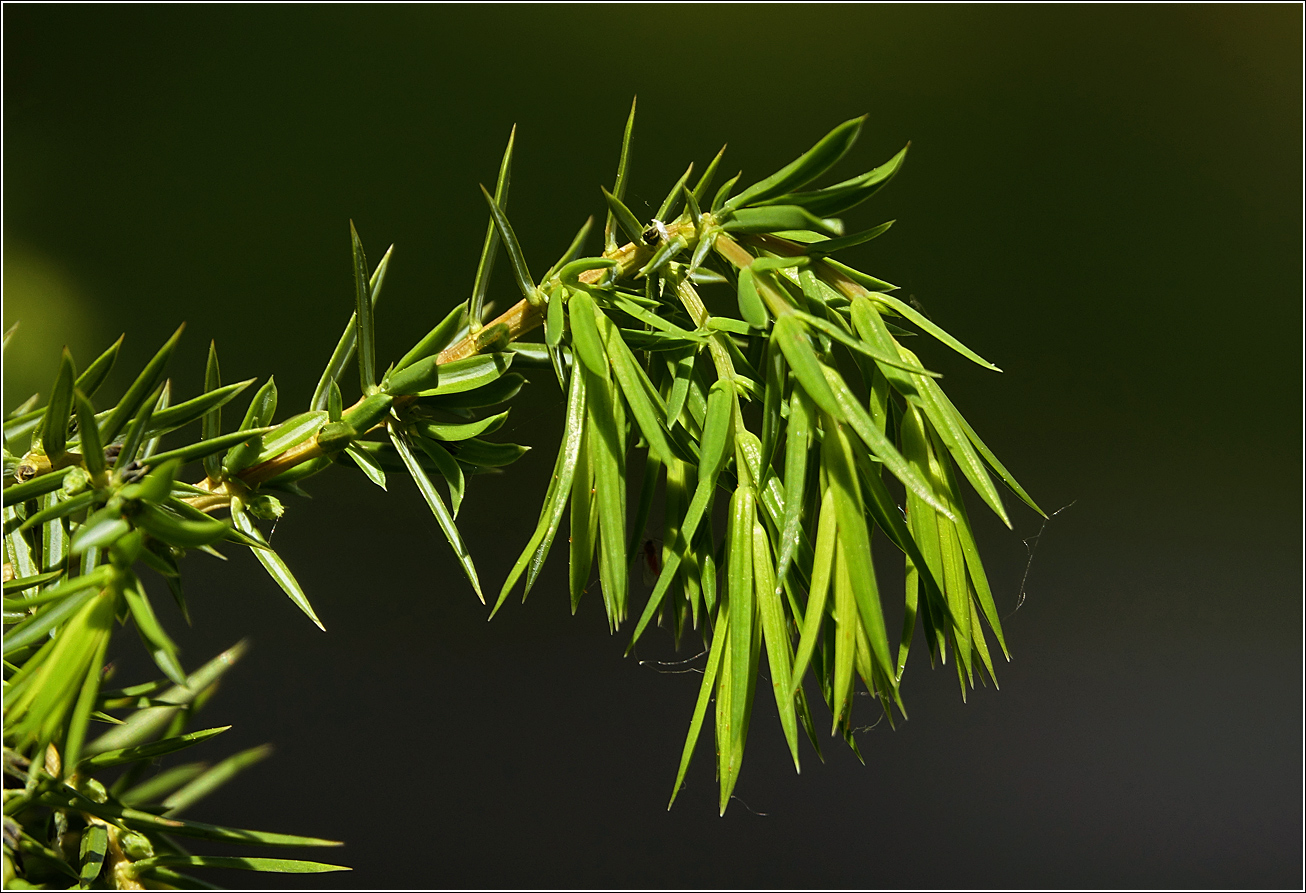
(656, 234)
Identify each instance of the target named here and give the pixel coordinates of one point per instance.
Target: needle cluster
(793, 402)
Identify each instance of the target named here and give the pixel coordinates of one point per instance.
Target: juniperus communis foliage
(792, 401)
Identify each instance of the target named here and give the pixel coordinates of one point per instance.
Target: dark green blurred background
(1104, 200)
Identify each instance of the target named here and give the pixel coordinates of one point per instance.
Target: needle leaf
(438, 508)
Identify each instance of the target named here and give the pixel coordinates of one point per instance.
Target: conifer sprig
(798, 411)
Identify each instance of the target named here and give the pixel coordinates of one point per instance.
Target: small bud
(92, 790)
(335, 436)
(75, 481)
(135, 845)
(265, 508)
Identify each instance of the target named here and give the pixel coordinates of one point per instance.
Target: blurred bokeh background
(1104, 200)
